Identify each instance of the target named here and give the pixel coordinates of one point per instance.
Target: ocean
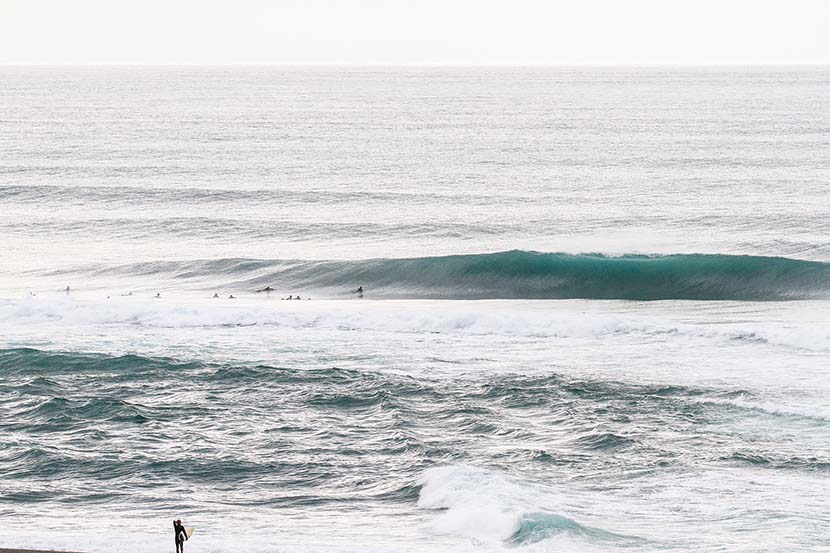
(594, 313)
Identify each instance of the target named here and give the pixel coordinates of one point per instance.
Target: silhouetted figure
(66, 289)
(180, 534)
(158, 295)
(231, 297)
(359, 292)
(267, 289)
(216, 295)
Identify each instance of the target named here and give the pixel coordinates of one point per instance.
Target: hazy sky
(415, 31)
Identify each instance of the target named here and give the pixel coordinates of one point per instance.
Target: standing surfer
(181, 535)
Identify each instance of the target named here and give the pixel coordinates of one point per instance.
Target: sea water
(595, 310)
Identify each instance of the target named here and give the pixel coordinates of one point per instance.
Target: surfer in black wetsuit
(359, 292)
(180, 534)
(267, 289)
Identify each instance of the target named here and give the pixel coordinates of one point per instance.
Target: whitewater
(596, 309)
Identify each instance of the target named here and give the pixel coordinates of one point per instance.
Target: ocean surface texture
(596, 309)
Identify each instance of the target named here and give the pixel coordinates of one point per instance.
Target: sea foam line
(491, 319)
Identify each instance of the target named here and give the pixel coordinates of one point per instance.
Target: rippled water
(595, 314)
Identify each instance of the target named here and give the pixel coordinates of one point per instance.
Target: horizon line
(408, 64)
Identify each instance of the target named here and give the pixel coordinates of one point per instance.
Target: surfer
(231, 297)
(66, 289)
(216, 295)
(181, 535)
(267, 289)
(158, 295)
(359, 292)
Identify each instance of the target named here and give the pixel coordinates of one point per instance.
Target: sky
(414, 32)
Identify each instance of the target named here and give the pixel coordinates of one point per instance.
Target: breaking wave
(517, 274)
(488, 506)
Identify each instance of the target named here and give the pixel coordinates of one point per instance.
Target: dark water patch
(604, 441)
(46, 463)
(361, 381)
(38, 362)
(206, 470)
(99, 409)
(38, 386)
(473, 427)
(777, 461)
(564, 458)
(29, 496)
(519, 391)
(349, 400)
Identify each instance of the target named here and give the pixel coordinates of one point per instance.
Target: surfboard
(190, 532)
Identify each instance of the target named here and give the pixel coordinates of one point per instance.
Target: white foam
(488, 508)
(524, 319)
(478, 504)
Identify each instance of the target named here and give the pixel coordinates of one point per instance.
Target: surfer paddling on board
(267, 290)
(181, 535)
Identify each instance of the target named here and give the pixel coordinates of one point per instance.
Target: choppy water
(595, 319)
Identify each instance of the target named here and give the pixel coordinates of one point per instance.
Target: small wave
(34, 361)
(604, 441)
(536, 527)
(488, 506)
(769, 460)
